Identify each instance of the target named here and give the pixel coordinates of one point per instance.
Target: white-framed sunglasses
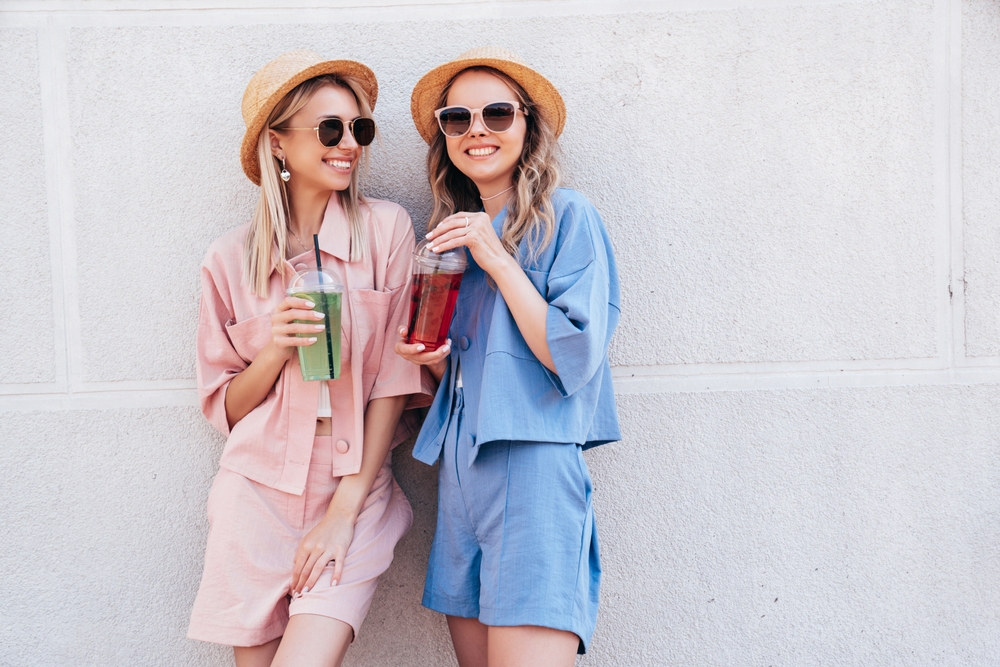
(456, 120)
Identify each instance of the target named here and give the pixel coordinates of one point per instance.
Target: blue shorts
(516, 542)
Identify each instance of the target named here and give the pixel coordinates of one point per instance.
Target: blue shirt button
(463, 342)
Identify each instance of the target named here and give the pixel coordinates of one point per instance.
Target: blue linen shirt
(509, 394)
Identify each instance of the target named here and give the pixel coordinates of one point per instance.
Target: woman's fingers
(338, 565)
(304, 578)
(416, 354)
(294, 323)
(292, 302)
(286, 316)
(322, 560)
(461, 220)
(293, 328)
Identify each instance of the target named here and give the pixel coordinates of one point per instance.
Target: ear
(277, 149)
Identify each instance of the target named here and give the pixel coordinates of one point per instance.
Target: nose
(478, 127)
(348, 142)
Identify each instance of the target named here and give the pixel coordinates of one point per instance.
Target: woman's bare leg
(256, 656)
(470, 639)
(531, 646)
(313, 641)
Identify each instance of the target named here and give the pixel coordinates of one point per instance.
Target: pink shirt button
(342, 446)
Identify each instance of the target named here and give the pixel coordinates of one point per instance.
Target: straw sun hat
(275, 80)
(427, 94)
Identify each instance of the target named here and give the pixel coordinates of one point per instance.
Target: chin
(339, 184)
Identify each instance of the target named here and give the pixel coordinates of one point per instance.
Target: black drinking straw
(326, 305)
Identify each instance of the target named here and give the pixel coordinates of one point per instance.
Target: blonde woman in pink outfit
(304, 513)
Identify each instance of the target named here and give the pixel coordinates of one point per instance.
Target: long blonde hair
(269, 227)
(535, 179)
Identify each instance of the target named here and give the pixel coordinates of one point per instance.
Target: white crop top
(324, 401)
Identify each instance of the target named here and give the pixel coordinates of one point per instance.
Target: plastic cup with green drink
(321, 360)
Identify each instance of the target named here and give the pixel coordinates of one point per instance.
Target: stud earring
(285, 174)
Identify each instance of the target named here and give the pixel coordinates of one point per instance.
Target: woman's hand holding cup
(436, 360)
(284, 329)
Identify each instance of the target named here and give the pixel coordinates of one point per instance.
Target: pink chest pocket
(249, 337)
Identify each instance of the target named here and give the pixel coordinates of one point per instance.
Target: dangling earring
(285, 174)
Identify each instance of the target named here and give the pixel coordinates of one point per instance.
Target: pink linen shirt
(272, 444)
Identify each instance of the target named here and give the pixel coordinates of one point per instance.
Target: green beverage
(321, 360)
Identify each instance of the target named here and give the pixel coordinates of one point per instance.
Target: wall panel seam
(188, 397)
(54, 184)
(956, 204)
(61, 156)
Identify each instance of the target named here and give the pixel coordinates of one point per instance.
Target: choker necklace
(497, 194)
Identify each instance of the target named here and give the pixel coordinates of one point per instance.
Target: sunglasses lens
(455, 121)
(331, 131)
(499, 116)
(364, 131)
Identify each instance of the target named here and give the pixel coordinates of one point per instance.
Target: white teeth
(339, 164)
(481, 152)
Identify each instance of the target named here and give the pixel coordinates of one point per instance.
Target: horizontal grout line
(98, 387)
(775, 367)
(107, 396)
(666, 384)
(100, 400)
(136, 385)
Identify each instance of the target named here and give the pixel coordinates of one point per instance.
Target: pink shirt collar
(334, 234)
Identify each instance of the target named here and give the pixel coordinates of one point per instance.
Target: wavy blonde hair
(269, 227)
(535, 179)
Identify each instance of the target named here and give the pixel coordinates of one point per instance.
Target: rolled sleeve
(578, 292)
(218, 362)
(576, 327)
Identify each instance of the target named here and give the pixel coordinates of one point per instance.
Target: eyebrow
(319, 118)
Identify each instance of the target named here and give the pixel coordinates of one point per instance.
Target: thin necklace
(304, 246)
(497, 194)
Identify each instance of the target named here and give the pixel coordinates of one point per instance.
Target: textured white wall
(802, 196)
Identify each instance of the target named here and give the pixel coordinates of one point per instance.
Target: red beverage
(432, 303)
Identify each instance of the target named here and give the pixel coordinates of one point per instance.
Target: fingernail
(420, 347)
(334, 582)
(309, 304)
(311, 340)
(448, 341)
(434, 249)
(446, 348)
(305, 590)
(319, 327)
(318, 315)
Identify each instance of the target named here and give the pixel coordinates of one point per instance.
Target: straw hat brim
(352, 68)
(427, 93)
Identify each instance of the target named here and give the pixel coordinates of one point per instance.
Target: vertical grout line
(955, 203)
(53, 186)
(942, 145)
(62, 166)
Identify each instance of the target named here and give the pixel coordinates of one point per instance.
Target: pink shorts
(253, 534)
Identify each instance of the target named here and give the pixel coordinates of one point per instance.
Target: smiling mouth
(339, 164)
(482, 152)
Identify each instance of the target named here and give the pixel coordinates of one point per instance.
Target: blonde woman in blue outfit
(525, 385)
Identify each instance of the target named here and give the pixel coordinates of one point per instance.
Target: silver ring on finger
(466, 222)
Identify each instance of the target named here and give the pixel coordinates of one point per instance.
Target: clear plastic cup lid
(314, 281)
(449, 260)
